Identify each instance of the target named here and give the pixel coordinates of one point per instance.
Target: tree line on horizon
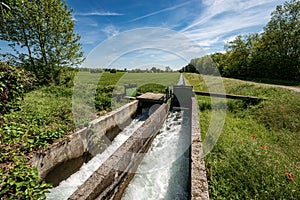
(272, 54)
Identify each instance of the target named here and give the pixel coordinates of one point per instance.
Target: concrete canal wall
(199, 185)
(64, 158)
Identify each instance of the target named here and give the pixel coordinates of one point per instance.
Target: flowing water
(164, 171)
(181, 80)
(67, 187)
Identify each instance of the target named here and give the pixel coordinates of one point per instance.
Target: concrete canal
(147, 152)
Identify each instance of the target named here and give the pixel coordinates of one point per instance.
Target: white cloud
(96, 13)
(86, 21)
(160, 11)
(217, 22)
(222, 19)
(208, 42)
(90, 37)
(110, 30)
(74, 19)
(147, 58)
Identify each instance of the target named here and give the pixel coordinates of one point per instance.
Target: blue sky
(209, 23)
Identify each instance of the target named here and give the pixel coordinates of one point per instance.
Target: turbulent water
(67, 187)
(164, 171)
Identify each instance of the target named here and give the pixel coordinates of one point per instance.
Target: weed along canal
(142, 150)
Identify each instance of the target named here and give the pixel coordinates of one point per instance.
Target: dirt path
(295, 89)
(289, 88)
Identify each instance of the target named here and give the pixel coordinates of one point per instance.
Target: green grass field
(121, 78)
(258, 146)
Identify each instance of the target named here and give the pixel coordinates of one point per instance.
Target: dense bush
(66, 77)
(14, 82)
(103, 97)
(151, 87)
(21, 181)
(45, 115)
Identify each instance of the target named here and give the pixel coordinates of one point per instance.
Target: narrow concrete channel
(67, 187)
(181, 80)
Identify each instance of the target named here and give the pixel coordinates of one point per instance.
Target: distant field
(121, 78)
(145, 78)
(257, 155)
(148, 82)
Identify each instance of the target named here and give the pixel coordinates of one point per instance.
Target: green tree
(168, 69)
(281, 41)
(189, 68)
(220, 61)
(237, 53)
(41, 33)
(4, 8)
(204, 65)
(275, 53)
(245, 57)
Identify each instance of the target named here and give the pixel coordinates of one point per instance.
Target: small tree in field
(41, 34)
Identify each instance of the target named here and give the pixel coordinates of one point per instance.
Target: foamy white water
(164, 171)
(67, 187)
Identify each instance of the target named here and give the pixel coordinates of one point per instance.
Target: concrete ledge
(111, 178)
(105, 128)
(199, 185)
(64, 158)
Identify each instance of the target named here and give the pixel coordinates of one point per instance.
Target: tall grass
(258, 153)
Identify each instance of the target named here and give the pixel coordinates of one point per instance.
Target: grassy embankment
(45, 116)
(257, 155)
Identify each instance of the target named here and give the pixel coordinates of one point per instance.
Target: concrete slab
(151, 96)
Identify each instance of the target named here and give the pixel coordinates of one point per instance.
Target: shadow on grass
(271, 81)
